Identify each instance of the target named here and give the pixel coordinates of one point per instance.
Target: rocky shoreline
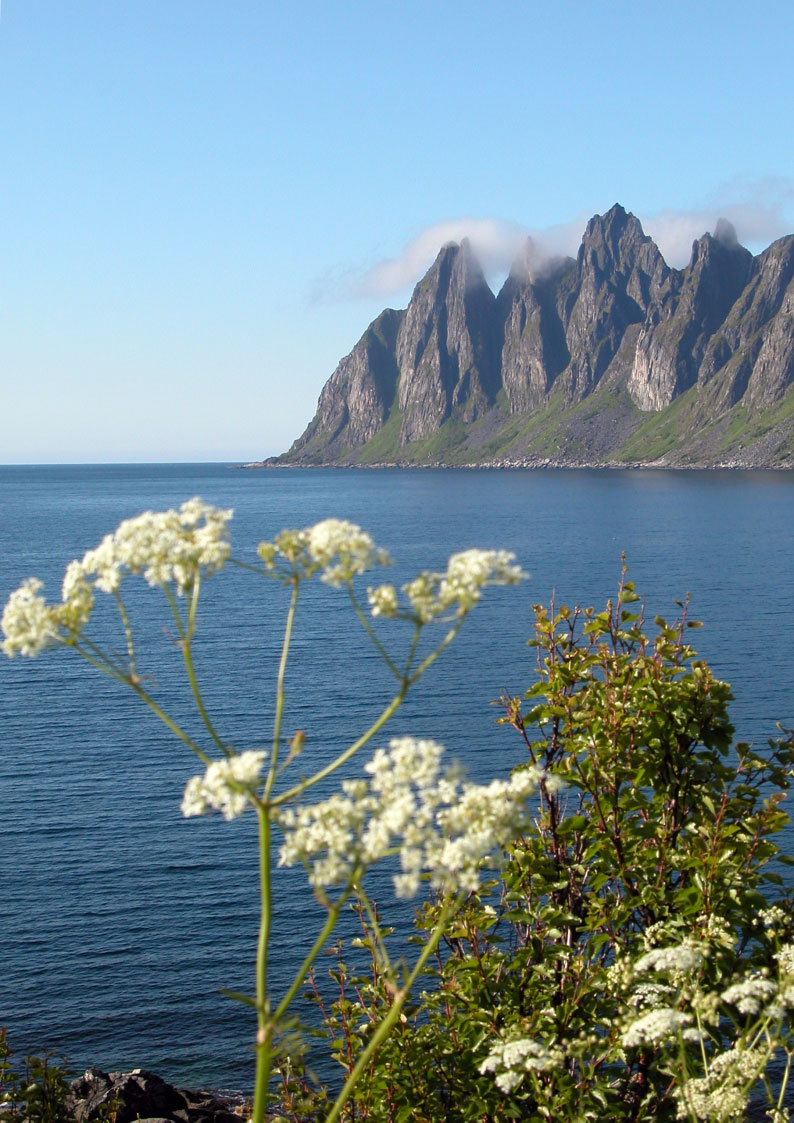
(127, 1097)
(734, 464)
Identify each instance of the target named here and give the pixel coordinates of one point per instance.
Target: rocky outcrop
(615, 327)
(620, 275)
(689, 310)
(356, 399)
(534, 350)
(140, 1095)
(445, 346)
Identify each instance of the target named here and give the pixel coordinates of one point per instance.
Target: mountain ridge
(610, 358)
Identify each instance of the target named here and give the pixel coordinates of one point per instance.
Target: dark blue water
(121, 921)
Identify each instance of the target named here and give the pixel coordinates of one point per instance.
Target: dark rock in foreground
(140, 1095)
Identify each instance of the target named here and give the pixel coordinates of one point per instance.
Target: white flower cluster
(723, 1092)
(511, 1060)
(456, 591)
(225, 786)
(678, 960)
(785, 960)
(29, 623)
(439, 824)
(169, 547)
(655, 1026)
(383, 601)
(165, 547)
(774, 917)
(750, 994)
(337, 549)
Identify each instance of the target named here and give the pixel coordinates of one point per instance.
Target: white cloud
(495, 244)
(761, 210)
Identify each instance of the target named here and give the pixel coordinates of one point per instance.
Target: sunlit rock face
(684, 318)
(446, 346)
(615, 319)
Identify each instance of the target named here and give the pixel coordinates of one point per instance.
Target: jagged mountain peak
(616, 323)
(723, 244)
(613, 239)
(456, 267)
(525, 264)
(725, 232)
(615, 219)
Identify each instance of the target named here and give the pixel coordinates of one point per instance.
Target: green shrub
(37, 1095)
(634, 960)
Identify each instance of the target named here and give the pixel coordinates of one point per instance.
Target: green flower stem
(431, 658)
(193, 605)
(317, 947)
(412, 651)
(170, 723)
(282, 671)
(258, 569)
(385, 1027)
(373, 919)
(187, 655)
(407, 681)
(174, 611)
(784, 1082)
(113, 667)
(371, 632)
(264, 1025)
(103, 664)
(304, 785)
(185, 636)
(125, 620)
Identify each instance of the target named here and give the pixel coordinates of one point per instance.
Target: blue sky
(205, 202)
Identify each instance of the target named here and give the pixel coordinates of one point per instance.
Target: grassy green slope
(603, 428)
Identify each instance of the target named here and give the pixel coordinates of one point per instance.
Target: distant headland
(611, 359)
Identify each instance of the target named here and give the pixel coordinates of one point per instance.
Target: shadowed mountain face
(609, 358)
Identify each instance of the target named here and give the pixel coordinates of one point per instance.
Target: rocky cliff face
(616, 327)
(445, 346)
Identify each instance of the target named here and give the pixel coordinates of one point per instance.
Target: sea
(123, 923)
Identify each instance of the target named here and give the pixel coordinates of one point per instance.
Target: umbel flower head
(510, 1060)
(452, 593)
(336, 549)
(169, 548)
(438, 824)
(226, 786)
(164, 547)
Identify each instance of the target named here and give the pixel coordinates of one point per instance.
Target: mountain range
(611, 358)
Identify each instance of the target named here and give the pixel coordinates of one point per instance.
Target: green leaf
(238, 997)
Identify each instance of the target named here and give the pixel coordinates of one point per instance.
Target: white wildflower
(344, 549)
(458, 590)
(750, 993)
(650, 995)
(337, 549)
(165, 547)
(680, 959)
(225, 786)
(383, 600)
(29, 624)
(172, 547)
(438, 824)
(722, 1093)
(773, 916)
(655, 1026)
(785, 959)
(512, 1059)
(471, 570)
